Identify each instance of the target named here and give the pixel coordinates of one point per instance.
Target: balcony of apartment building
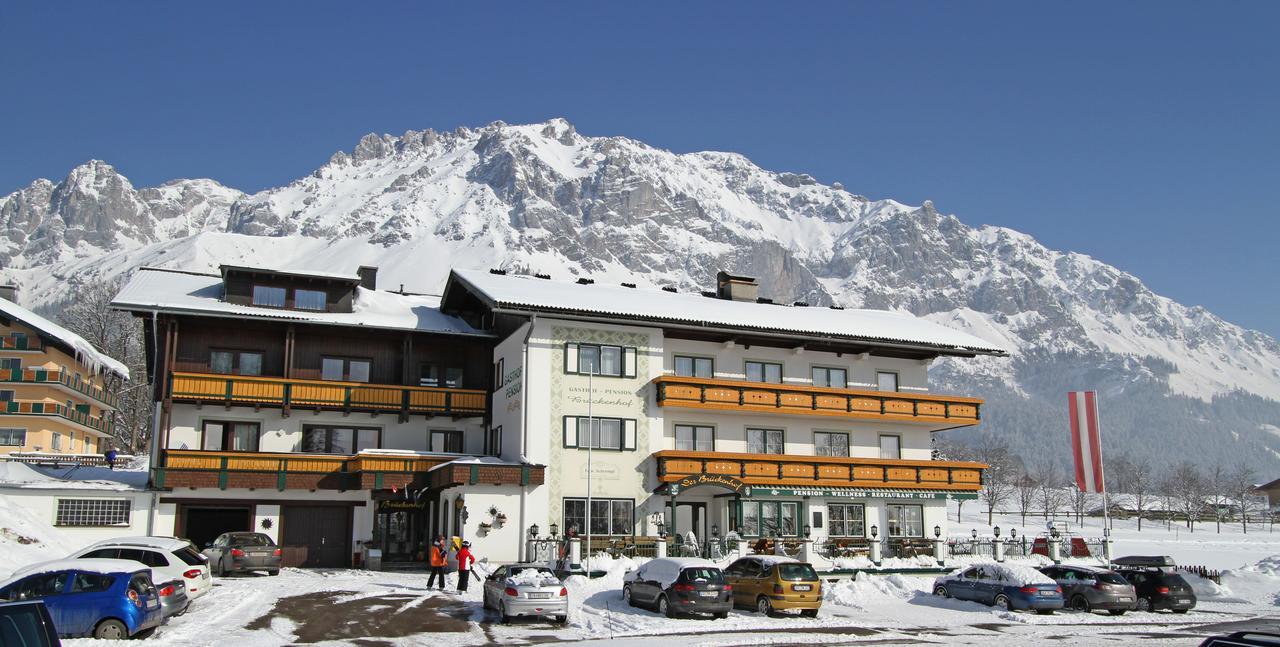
(64, 381)
(73, 416)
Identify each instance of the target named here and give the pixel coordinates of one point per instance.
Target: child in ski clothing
(464, 569)
(439, 560)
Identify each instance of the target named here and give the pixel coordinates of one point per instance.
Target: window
(91, 583)
(608, 516)
(19, 340)
(13, 437)
(57, 440)
(826, 443)
(608, 433)
(905, 520)
(891, 447)
(601, 360)
(695, 438)
(320, 439)
(886, 381)
(149, 557)
(694, 366)
(497, 373)
(847, 519)
(309, 299)
(265, 295)
(41, 586)
(765, 441)
(770, 518)
(764, 372)
(13, 366)
(833, 377)
(493, 441)
(448, 441)
(341, 369)
(235, 362)
(6, 395)
(230, 436)
(92, 512)
(436, 376)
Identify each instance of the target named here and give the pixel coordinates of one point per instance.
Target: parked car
(526, 590)
(679, 585)
(27, 624)
(170, 558)
(769, 584)
(1156, 587)
(243, 552)
(1086, 588)
(173, 598)
(1243, 639)
(102, 598)
(1011, 587)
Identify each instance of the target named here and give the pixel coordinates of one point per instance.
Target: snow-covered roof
(166, 290)
(319, 274)
(163, 543)
(527, 293)
(39, 477)
(97, 565)
(476, 460)
(94, 359)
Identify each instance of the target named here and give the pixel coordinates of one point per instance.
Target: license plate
(539, 596)
(709, 594)
(1184, 601)
(801, 587)
(1125, 599)
(1047, 593)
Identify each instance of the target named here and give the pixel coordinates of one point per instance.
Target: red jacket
(463, 555)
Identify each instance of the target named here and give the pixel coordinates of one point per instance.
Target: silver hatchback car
(526, 590)
(1087, 588)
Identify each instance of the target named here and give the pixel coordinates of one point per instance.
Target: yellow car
(768, 584)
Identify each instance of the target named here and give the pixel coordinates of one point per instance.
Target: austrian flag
(1086, 440)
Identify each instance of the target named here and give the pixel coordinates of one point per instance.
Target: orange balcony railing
(60, 378)
(323, 394)
(800, 472)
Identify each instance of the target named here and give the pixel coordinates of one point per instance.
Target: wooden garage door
(316, 536)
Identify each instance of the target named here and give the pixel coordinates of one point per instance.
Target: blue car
(102, 598)
(1014, 588)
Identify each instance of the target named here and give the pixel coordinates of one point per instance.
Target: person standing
(439, 560)
(464, 569)
(110, 455)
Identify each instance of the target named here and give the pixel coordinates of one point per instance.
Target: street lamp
(1053, 532)
(974, 533)
(1013, 533)
(554, 530)
(997, 531)
(715, 530)
(662, 529)
(875, 530)
(937, 532)
(807, 530)
(533, 531)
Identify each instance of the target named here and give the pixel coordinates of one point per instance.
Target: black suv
(1243, 639)
(1156, 588)
(27, 624)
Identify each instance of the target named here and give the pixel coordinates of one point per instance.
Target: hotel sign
(397, 505)
(716, 480)
(862, 493)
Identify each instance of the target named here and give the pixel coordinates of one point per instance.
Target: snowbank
(873, 589)
(25, 539)
(1257, 583)
(27, 476)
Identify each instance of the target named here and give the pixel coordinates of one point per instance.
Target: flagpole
(591, 441)
(1102, 468)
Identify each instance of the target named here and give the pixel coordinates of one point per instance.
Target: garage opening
(203, 524)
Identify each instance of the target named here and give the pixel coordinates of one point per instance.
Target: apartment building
(322, 411)
(54, 391)
(719, 411)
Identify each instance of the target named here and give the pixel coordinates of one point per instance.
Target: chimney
(9, 292)
(736, 288)
(368, 277)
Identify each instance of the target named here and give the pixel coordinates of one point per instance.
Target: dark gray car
(676, 586)
(243, 552)
(1085, 588)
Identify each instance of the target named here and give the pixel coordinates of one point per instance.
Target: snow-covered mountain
(1177, 380)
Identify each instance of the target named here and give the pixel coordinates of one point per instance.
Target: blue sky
(1146, 134)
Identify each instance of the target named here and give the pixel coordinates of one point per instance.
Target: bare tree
(1241, 487)
(1051, 492)
(999, 480)
(1186, 489)
(1025, 487)
(1219, 487)
(1080, 501)
(119, 335)
(1134, 479)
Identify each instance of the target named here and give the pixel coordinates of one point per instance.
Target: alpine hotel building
(333, 415)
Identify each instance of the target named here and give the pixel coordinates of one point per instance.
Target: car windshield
(251, 539)
(702, 574)
(796, 572)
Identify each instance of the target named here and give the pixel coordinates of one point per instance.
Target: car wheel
(626, 596)
(1045, 612)
(222, 568)
(941, 592)
(665, 608)
(275, 572)
(111, 630)
(722, 615)
(1179, 610)
(145, 633)
(562, 619)
(1116, 612)
(809, 613)
(763, 606)
(502, 611)
(1004, 602)
(1144, 604)
(1081, 603)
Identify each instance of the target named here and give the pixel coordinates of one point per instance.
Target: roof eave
(143, 309)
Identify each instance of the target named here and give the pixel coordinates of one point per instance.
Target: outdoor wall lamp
(533, 531)
(875, 530)
(1013, 533)
(807, 530)
(937, 532)
(554, 529)
(662, 529)
(997, 531)
(715, 530)
(974, 533)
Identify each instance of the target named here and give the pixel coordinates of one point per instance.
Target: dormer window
(269, 296)
(308, 299)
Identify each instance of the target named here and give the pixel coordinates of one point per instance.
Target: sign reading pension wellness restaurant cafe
(860, 493)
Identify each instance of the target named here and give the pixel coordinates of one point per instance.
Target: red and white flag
(1086, 440)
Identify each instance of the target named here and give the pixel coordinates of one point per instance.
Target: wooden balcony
(807, 472)
(62, 380)
(289, 471)
(59, 411)
(940, 412)
(22, 344)
(241, 390)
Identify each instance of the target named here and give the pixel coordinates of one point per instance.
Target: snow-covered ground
(348, 607)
